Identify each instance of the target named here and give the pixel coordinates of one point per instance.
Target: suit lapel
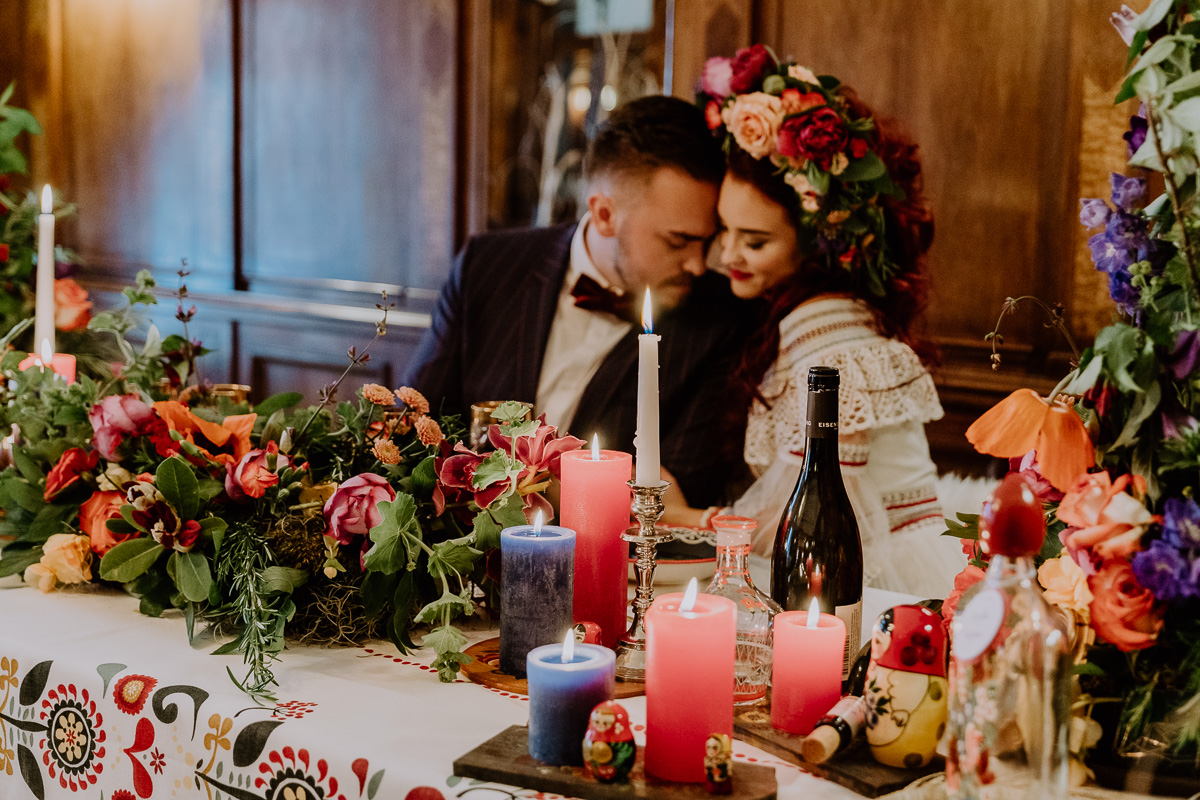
(543, 288)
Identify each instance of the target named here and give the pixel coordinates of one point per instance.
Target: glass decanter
(755, 610)
(1011, 687)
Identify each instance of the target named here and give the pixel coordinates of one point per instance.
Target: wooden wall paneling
(706, 28)
(146, 93)
(31, 56)
(349, 129)
(473, 154)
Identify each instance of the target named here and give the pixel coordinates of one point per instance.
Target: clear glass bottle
(755, 610)
(1011, 685)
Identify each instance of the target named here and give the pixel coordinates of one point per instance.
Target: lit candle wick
(814, 613)
(689, 597)
(595, 447)
(537, 524)
(647, 314)
(568, 653)
(47, 355)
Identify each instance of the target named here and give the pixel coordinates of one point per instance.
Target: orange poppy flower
(1026, 421)
(225, 443)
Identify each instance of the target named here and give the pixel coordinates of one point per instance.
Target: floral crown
(784, 112)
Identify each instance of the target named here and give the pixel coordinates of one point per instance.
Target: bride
(823, 219)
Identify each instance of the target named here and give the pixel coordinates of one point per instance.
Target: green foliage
(129, 559)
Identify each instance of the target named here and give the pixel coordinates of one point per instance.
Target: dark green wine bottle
(818, 552)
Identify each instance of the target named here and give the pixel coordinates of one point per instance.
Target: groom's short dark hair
(652, 132)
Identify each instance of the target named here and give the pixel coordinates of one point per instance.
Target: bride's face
(757, 241)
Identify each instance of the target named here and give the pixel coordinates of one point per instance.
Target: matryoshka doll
(718, 764)
(608, 747)
(906, 689)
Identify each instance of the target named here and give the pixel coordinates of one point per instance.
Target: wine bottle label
(850, 709)
(852, 616)
(977, 624)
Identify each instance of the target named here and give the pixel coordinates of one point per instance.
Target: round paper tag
(976, 626)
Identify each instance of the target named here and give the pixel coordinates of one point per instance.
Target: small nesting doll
(608, 747)
(718, 764)
(586, 632)
(906, 688)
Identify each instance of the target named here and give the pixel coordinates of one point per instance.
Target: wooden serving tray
(485, 670)
(505, 759)
(853, 768)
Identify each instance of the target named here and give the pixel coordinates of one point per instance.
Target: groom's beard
(667, 293)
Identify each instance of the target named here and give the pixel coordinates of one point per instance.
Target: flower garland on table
(805, 127)
(332, 523)
(1114, 452)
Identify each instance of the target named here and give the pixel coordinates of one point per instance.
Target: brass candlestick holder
(648, 508)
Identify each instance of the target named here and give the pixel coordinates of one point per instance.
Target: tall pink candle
(595, 504)
(689, 682)
(806, 676)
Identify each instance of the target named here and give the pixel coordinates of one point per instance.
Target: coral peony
(354, 508)
(1025, 421)
(69, 470)
(1123, 610)
(94, 513)
(72, 309)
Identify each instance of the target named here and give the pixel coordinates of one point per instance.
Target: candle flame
(647, 314)
(595, 447)
(537, 524)
(47, 200)
(814, 613)
(568, 654)
(47, 352)
(689, 597)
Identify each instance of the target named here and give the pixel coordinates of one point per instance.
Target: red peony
(70, 468)
(750, 66)
(95, 512)
(116, 417)
(255, 473)
(858, 148)
(354, 508)
(817, 136)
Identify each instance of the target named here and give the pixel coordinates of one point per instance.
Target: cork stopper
(820, 745)
(1013, 521)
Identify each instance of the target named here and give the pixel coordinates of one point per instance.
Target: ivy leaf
(179, 486)
(511, 513)
(445, 639)
(492, 469)
(391, 551)
(129, 560)
(487, 532)
(450, 603)
(510, 412)
(452, 557)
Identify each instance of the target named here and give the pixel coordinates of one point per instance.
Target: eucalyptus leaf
(129, 559)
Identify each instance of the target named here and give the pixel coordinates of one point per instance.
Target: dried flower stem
(1173, 193)
(1053, 313)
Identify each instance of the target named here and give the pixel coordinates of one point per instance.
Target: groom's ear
(603, 213)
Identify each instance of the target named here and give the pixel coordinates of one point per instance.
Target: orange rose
(72, 309)
(69, 557)
(1122, 609)
(70, 468)
(97, 510)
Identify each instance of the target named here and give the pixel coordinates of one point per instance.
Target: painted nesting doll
(608, 747)
(718, 764)
(906, 688)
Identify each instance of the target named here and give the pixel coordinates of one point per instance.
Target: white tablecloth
(95, 695)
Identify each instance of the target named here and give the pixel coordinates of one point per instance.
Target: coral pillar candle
(690, 646)
(536, 570)
(59, 363)
(566, 681)
(806, 679)
(43, 325)
(646, 438)
(595, 504)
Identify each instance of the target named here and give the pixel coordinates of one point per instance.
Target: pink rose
(354, 508)
(1104, 518)
(717, 76)
(749, 66)
(1122, 609)
(255, 473)
(753, 119)
(116, 417)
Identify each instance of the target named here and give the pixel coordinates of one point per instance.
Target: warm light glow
(47, 200)
(568, 654)
(537, 524)
(814, 613)
(580, 100)
(608, 97)
(47, 352)
(689, 597)
(595, 447)
(647, 314)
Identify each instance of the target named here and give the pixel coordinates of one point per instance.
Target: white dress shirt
(579, 341)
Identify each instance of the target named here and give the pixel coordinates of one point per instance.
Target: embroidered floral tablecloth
(99, 701)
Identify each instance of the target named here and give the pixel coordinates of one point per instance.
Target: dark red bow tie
(591, 296)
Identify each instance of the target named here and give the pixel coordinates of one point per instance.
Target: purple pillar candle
(562, 694)
(537, 566)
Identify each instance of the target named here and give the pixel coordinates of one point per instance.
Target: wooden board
(505, 759)
(853, 768)
(485, 670)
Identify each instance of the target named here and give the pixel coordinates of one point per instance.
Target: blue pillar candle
(562, 695)
(537, 568)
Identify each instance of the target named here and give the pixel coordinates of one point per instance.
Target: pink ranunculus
(717, 76)
(1123, 610)
(354, 508)
(541, 452)
(116, 417)
(255, 473)
(1028, 467)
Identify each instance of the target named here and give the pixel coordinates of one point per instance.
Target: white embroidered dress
(886, 396)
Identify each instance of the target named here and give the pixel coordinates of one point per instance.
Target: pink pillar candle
(595, 504)
(61, 364)
(806, 679)
(689, 682)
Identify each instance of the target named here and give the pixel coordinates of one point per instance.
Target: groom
(548, 315)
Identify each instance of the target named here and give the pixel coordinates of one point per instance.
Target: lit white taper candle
(43, 326)
(648, 472)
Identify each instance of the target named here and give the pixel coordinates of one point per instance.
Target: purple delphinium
(1123, 292)
(1166, 572)
(1181, 522)
(1135, 137)
(1127, 193)
(1126, 230)
(1110, 256)
(1185, 355)
(1093, 212)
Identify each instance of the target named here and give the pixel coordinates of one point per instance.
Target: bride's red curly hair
(909, 231)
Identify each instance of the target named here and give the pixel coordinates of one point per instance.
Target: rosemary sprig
(245, 556)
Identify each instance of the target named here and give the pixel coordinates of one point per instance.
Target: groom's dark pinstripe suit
(489, 333)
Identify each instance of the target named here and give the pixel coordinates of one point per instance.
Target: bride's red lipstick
(738, 275)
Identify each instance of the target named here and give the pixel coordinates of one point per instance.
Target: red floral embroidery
(131, 692)
(73, 749)
(289, 769)
(121, 794)
(293, 709)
